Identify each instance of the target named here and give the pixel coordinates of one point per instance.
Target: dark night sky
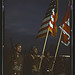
(23, 19)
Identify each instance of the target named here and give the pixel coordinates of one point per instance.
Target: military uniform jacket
(16, 63)
(31, 64)
(46, 65)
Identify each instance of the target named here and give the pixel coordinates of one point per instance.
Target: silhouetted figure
(32, 63)
(16, 61)
(47, 64)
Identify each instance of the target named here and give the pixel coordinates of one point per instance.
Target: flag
(49, 21)
(65, 39)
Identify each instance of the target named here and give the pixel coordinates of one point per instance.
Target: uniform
(35, 66)
(46, 66)
(32, 62)
(16, 64)
(31, 65)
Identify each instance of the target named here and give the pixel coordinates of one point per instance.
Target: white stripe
(67, 22)
(42, 32)
(53, 12)
(65, 32)
(65, 43)
(48, 18)
(45, 25)
(52, 18)
(51, 25)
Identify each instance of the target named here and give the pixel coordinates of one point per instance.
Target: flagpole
(57, 48)
(46, 41)
(43, 48)
(58, 43)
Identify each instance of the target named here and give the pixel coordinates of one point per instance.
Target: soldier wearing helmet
(16, 61)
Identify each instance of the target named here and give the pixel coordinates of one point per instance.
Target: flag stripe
(45, 25)
(45, 22)
(42, 32)
(53, 12)
(65, 43)
(64, 31)
(52, 21)
(43, 28)
(42, 35)
(50, 24)
(52, 18)
(49, 19)
(46, 19)
(50, 28)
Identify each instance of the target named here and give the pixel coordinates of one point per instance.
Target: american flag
(65, 39)
(49, 21)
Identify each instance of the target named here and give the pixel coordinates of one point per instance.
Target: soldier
(16, 61)
(32, 63)
(46, 64)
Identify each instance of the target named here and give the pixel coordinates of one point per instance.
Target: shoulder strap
(32, 56)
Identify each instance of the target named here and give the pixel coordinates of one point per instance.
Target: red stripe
(50, 27)
(43, 29)
(52, 22)
(52, 13)
(45, 22)
(53, 16)
(48, 16)
(41, 35)
(45, 17)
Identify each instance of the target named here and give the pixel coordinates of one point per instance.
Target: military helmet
(32, 49)
(18, 44)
